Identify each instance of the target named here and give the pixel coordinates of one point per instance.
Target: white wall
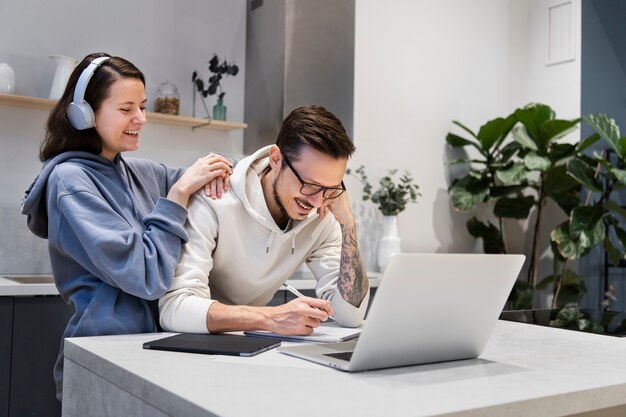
(421, 64)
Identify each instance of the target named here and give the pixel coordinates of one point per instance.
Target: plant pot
(219, 110)
(390, 242)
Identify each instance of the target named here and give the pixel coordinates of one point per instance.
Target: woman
(114, 225)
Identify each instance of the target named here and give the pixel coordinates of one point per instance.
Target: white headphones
(79, 112)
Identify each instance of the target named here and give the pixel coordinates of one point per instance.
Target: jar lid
(167, 88)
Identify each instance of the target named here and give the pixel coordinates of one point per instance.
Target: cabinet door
(6, 337)
(38, 325)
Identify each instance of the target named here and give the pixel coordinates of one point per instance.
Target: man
(287, 206)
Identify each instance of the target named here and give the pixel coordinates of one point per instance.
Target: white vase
(65, 66)
(7, 79)
(390, 242)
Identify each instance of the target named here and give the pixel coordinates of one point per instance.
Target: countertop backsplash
(21, 252)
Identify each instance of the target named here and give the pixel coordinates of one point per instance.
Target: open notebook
(327, 332)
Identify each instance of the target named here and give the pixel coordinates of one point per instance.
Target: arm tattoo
(353, 283)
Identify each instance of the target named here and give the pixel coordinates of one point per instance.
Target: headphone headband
(79, 113)
(85, 76)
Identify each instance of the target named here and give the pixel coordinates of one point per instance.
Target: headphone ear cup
(81, 116)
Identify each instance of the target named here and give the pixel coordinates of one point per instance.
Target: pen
(297, 293)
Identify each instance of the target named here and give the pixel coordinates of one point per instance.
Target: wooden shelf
(158, 118)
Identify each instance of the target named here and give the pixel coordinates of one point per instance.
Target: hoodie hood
(34, 201)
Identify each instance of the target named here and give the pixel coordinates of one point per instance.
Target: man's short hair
(316, 127)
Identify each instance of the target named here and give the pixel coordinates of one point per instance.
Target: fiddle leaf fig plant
(599, 219)
(520, 163)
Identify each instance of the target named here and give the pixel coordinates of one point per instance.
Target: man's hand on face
(340, 208)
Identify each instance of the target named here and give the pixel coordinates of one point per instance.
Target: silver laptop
(428, 308)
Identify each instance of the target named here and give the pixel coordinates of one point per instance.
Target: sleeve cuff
(189, 316)
(346, 314)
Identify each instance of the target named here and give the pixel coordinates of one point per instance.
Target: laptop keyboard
(344, 356)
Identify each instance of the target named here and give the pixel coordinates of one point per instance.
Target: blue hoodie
(114, 240)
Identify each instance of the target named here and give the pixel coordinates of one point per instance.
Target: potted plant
(391, 197)
(219, 70)
(517, 176)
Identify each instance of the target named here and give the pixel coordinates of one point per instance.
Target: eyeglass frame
(322, 189)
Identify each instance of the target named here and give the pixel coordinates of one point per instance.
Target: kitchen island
(525, 370)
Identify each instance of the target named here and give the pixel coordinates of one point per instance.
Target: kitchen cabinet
(6, 330)
(158, 118)
(35, 328)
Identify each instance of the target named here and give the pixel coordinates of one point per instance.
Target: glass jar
(167, 100)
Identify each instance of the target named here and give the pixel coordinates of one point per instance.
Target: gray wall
(166, 39)
(603, 90)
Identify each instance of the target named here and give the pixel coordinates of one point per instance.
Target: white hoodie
(237, 255)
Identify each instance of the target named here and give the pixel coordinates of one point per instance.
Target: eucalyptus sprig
(219, 70)
(391, 197)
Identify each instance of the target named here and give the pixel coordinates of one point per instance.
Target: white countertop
(27, 285)
(32, 285)
(525, 370)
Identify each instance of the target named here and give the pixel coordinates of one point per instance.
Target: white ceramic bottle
(65, 66)
(7, 79)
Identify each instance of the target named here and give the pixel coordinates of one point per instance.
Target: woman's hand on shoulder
(211, 172)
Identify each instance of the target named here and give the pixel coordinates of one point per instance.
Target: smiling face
(286, 201)
(121, 116)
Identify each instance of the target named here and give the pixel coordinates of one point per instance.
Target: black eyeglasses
(309, 189)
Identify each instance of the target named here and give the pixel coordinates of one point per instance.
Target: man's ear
(276, 158)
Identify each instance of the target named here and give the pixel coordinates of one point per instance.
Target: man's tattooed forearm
(353, 283)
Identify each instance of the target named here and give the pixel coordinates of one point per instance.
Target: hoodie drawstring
(270, 240)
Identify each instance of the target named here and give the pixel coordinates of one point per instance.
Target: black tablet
(213, 344)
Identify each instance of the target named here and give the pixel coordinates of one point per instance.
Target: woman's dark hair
(61, 136)
(316, 127)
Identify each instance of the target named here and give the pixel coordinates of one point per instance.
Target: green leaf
(561, 153)
(581, 146)
(620, 174)
(572, 289)
(459, 124)
(557, 181)
(513, 175)
(458, 142)
(535, 162)
(468, 192)
(508, 152)
(514, 208)
(552, 130)
(494, 131)
(507, 190)
(587, 226)
(621, 235)
(491, 236)
(616, 208)
(611, 251)
(584, 174)
(545, 283)
(606, 127)
(521, 136)
(521, 296)
(532, 117)
(566, 245)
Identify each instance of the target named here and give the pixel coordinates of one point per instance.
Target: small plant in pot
(219, 71)
(391, 198)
